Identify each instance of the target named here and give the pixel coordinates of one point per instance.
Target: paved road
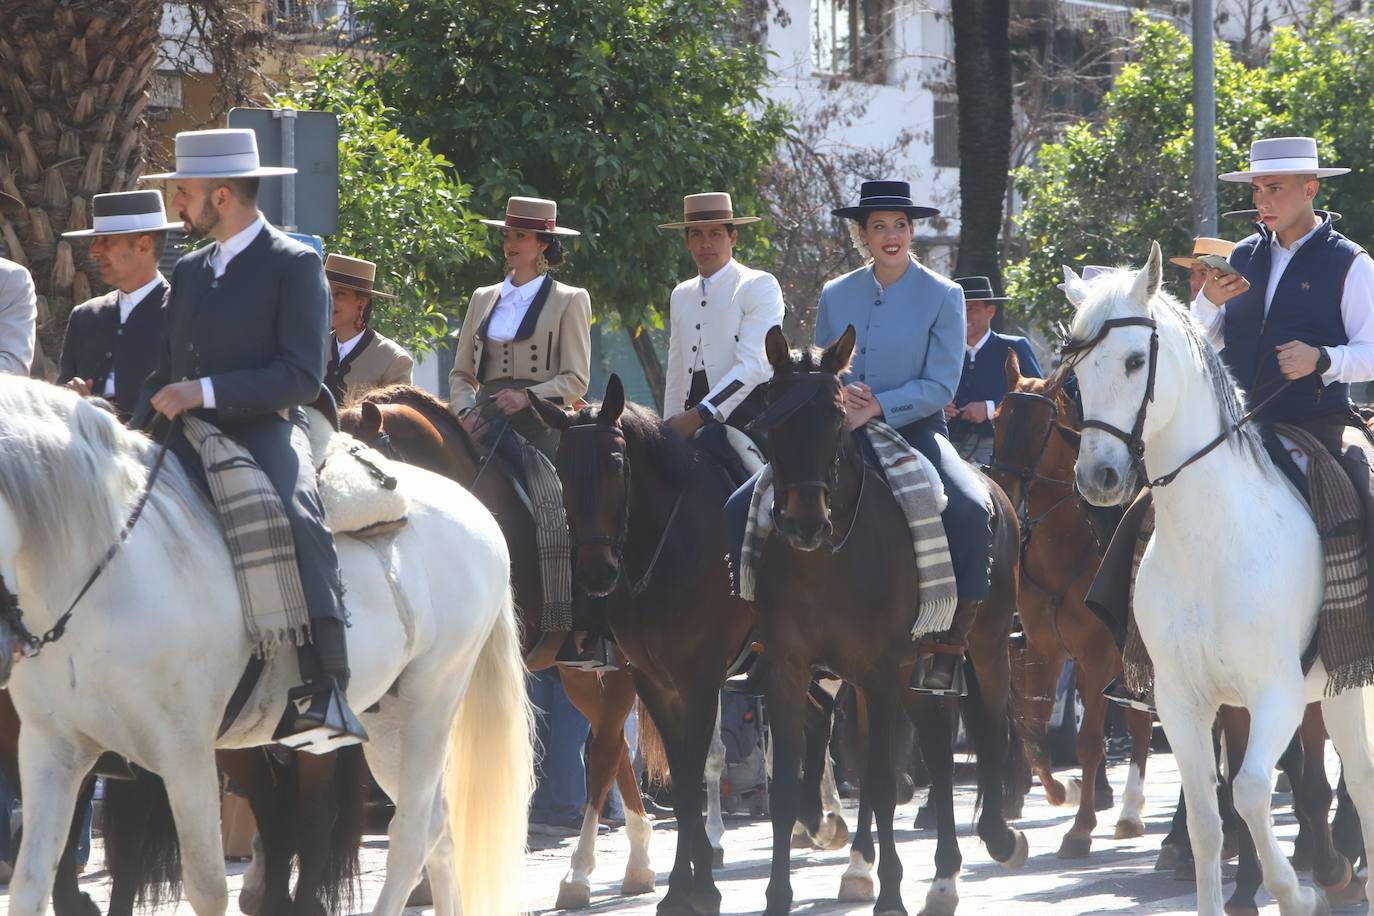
(1117, 879)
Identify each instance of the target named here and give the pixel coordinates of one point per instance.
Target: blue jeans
(7, 799)
(560, 794)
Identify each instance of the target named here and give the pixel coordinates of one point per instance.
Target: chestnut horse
(850, 608)
(416, 427)
(1037, 430)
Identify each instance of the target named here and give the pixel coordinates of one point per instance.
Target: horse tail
(651, 750)
(141, 847)
(489, 805)
(339, 885)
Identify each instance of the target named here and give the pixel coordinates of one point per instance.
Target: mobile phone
(1217, 262)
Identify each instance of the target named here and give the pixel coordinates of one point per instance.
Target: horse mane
(70, 473)
(1107, 290)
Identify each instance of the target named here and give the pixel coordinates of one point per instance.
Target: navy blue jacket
(96, 345)
(985, 378)
(1306, 307)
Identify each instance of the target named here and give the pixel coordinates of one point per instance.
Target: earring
(542, 264)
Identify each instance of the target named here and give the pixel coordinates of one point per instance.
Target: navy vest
(1306, 308)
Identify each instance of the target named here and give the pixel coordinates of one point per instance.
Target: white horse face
(1113, 380)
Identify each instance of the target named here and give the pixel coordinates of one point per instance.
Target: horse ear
(1013, 369)
(778, 350)
(550, 414)
(1148, 280)
(371, 416)
(836, 356)
(1075, 290)
(613, 404)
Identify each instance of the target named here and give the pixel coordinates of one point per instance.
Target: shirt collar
(973, 350)
(718, 275)
(345, 347)
(523, 293)
(1274, 240)
(128, 300)
(233, 246)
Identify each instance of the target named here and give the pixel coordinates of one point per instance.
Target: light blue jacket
(910, 346)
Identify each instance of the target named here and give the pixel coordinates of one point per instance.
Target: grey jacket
(18, 314)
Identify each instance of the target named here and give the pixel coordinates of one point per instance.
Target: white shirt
(126, 302)
(511, 307)
(973, 357)
(346, 346)
(225, 252)
(1353, 362)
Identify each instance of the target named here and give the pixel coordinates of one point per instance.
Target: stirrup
(596, 656)
(958, 683)
(1117, 691)
(318, 720)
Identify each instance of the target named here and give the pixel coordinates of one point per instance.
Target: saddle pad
(359, 493)
(259, 538)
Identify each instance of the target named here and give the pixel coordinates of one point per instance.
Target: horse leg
(1078, 841)
(1131, 822)
(664, 710)
(985, 715)
(1291, 764)
(1345, 833)
(856, 884)
(1189, 728)
(1347, 722)
(815, 743)
(715, 769)
(271, 793)
(607, 736)
(834, 833)
(67, 897)
(1274, 717)
(53, 771)
(935, 722)
(192, 782)
(786, 698)
(1043, 663)
(1331, 871)
(639, 875)
(315, 819)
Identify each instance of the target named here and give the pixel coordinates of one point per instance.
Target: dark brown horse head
(805, 422)
(593, 466)
(1035, 431)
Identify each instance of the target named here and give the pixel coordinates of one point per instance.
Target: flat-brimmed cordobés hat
(124, 213)
(355, 273)
(1284, 156)
(978, 289)
(1251, 216)
(533, 214)
(711, 209)
(10, 204)
(225, 153)
(1090, 272)
(885, 195)
(1204, 245)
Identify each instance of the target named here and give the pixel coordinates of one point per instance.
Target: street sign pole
(1204, 123)
(287, 117)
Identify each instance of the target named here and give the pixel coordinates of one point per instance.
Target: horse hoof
(800, 840)
(1186, 871)
(1129, 830)
(839, 837)
(942, 899)
(1339, 882)
(1321, 907)
(1073, 792)
(1351, 895)
(638, 881)
(1230, 846)
(1241, 909)
(717, 857)
(1169, 857)
(925, 818)
(1019, 854)
(1075, 847)
(573, 896)
(705, 903)
(856, 889)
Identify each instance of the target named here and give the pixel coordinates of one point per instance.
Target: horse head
(805, 422)
(1036, 433)
(594, 468)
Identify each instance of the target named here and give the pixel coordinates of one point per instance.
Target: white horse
(1228, 592)
(154, 650)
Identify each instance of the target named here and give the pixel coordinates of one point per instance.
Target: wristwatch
(707, 415)
(1323, 361)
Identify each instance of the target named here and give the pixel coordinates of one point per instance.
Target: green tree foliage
(400, 204)
(1107, 188)
(614, 108)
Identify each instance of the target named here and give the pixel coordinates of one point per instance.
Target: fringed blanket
(259, 538)
(921, 496)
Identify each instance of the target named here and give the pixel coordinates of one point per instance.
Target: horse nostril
(1109, 478)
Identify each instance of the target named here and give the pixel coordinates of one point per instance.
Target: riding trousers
(966, 518)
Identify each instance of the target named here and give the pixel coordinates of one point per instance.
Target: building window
(946, 133)
(849, 38)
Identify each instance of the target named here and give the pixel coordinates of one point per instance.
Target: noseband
(1030, 473)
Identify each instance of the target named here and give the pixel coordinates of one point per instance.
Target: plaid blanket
(552, 539)
(921, 496)
(259, 538)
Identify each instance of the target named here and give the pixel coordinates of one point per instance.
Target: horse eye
(1134, 362)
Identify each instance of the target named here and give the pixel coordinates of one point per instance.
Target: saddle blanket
(921, 496)
(360, 496)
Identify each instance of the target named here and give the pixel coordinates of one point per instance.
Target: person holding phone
(1208, 254)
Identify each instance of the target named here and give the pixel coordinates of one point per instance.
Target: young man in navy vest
(983, 383)
(244, 344)
(113, 341)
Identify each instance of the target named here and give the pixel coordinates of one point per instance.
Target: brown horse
(645, 508)
(416, 427)
(850, 608)
(1037, 430)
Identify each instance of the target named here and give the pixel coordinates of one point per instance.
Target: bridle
(1074, 351)
(616, 542)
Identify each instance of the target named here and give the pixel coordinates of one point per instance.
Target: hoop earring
(541, 264)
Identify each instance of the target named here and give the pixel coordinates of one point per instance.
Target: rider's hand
(81, 386)
(951, 412)
(474, 423)
(177, 398)
(975, 412)
(685, 423)
(511, 400)
(854, 417)
(1297, 359)
(1221, 286)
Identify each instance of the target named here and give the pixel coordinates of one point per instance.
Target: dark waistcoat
(1306, 308)
(97, 344)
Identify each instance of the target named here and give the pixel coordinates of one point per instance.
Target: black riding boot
(588, 647)
(317, 717)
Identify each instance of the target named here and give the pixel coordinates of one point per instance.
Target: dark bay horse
(416, 427)
(649, 535)
(850, 608)
(1037, 429)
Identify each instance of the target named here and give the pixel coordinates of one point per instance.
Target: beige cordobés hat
(1284, 156)
(713, 208)
(534, 214)
(1204, 245)
(355, 273)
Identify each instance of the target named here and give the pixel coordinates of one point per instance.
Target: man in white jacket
(718, 321)
(18, 307)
